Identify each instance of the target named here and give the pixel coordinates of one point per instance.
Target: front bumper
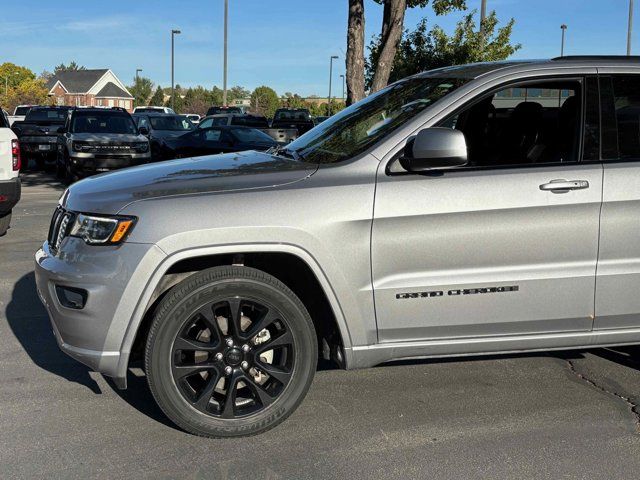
(10, 191)
(90, 163)
(93, 335)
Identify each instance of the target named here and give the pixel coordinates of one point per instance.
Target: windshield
(251, 135)
(175, 123)
(47, 114)
(21, 110)
(219, 110)
(303, 115)
(250, 121)
(103, 122)
(360, 126)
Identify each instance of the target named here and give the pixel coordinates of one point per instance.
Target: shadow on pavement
(29, 321)
(30, 178)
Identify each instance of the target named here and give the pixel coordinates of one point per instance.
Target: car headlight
(102, 230)
(142, 147)
(78, 147)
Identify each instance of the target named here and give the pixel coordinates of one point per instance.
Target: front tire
(231, 352)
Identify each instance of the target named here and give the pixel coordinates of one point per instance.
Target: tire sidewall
(180, 304)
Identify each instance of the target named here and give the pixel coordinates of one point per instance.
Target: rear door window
(621, 116)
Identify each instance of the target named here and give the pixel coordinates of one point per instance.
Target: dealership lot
(569, 415)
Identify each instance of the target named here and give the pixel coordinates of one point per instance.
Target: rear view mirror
(435, 147)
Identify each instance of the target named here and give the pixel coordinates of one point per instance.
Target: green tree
(72, 67)
(237, 93)
(141, 90)
(197, 100)
(158, 98)
(423, 49)
(264, 101)
(178, 105)
(293, 100)
(12, 75)
(29, 92)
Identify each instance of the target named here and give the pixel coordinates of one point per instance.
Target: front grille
(61, 223)
(104, 148)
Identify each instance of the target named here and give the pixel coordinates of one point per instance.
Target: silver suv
(479, 209)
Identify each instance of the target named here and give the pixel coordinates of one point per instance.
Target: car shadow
(31, 177)
(29, 322)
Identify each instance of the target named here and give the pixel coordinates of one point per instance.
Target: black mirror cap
(433, 148)
(143, 131)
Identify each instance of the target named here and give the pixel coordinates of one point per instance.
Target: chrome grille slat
(59, 229)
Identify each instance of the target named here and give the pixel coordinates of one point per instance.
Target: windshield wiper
(282, 151)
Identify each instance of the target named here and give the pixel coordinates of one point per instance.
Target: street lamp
(563, 27)
(630, 27)
(224, 76)
(6, 82)
(331, 59)
(138, 70)
(173, 34)
(342, 77)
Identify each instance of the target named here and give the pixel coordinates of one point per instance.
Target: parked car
(38, 133)
(10, 163)
(280, 135)
(19, 113)
(161, 128)
(214, 140)
(95, 140)
(152, 109)
(298, 118)
(194, 117)
(459, 211)
(220, 110)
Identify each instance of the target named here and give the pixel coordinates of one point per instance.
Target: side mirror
(435, 147)
(143, 131)
(60, 130)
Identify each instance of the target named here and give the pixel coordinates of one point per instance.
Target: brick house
(89, 88)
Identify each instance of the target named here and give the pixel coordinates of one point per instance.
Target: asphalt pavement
(567, 415)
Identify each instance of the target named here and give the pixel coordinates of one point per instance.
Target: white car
(9, 173)
(152, 109)
(19, 113)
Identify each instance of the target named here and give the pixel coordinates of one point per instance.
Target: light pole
(331, 59)
(563, 27)
(630, 27)
(224, 76)
(6, 83)
(138, 70)
(173, 34)
(342, 77)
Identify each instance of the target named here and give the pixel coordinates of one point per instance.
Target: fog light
(70, 297)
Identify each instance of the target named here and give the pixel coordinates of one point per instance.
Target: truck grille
(61, 223)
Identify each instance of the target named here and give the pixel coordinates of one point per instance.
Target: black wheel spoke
(278, 373)
(182, 371)
(262, 395)
(188, 344)
(266, 319)
(205, 395)
(228, 407)
(210, 321)
(233, 321)
(285, 338)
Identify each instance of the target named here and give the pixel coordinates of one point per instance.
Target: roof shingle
(112, 90)
(77, 81)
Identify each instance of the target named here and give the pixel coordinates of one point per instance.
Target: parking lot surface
(562, 415)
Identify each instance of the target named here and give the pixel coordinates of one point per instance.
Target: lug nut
(228, 370)
(230, 342)
(244, 365)
(218, 356)
(245, 348)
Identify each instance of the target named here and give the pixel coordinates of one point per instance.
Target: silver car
(479, 209)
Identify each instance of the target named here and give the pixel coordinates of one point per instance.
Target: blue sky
(285, 44)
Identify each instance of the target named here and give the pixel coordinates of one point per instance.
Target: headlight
(142, 147)
(77, 147)
(102, 230)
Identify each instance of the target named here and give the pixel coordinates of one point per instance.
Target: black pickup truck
(298, 118)
(38, 133)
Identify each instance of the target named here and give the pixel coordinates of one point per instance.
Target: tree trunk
(355, 52)
(392, 26)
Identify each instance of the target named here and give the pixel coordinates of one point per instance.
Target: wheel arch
(266, 257)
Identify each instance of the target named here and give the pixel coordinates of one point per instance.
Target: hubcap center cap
(233, 357)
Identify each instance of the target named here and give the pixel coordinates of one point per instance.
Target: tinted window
(206, 123)
(361, 125)
(219, 121)
(142, 121)
(536, 123)
(169, 122)
(293, 115)
(103, 122)
(250, 121)
(219, 110)
(626, 107)
(212, 135)
(46, 114)
(251, 135)
(21, 110)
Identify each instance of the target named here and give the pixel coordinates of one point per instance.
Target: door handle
(563, 186)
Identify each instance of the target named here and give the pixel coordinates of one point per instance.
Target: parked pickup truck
(19, 113)
(280, 135)
(9, 173)
(298, 118)
(38, 133)
(482, 209)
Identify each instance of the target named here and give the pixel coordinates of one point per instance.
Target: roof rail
(634, 58)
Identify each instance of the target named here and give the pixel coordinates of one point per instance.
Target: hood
(111, 192)
(167, 134)
(108, 137)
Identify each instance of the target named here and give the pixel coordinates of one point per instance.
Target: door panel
(485, 252)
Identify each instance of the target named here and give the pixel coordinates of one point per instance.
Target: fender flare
(172, 259)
